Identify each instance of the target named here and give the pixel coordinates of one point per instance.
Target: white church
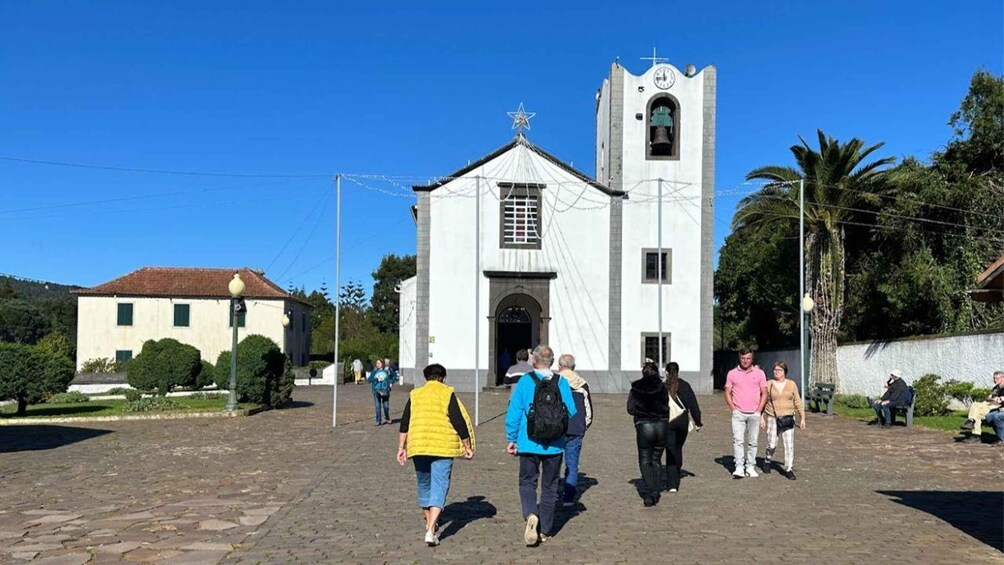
(519, 248)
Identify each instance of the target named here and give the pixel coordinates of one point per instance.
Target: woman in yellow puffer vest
(435, 428)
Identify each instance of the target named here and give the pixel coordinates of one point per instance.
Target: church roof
(520, 140)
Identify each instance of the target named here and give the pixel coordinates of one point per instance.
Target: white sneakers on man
(530, 535)
(751, 472)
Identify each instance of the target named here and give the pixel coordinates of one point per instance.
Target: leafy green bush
(99, 365)
(930, 396)
(57, 344)
(852, 400)
(319, 365)
(30, 374)
(118, 390)
(163, 365)
(132, 395)
(980, 394)
(68, 398)
(264, 375)
(152, 404)
(206, 376)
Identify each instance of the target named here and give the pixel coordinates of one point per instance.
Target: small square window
(181, 315)
(650, 266)
(519, 221)
(123, 355)
(125, 314)
(650, 347)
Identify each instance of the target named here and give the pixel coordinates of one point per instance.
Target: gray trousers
(745, 431)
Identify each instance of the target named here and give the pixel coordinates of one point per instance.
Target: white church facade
(519, 248)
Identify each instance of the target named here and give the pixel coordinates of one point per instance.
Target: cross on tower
(655, 59)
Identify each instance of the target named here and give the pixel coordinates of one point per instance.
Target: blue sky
(407, 89)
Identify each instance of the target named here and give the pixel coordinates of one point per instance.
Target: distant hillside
(30, 310)
(32, 290)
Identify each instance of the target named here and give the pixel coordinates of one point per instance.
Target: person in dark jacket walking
(680, 392)
(648, 402)
(577, 426)
(896, 394)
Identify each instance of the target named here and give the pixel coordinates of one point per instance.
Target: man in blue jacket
(536, 460)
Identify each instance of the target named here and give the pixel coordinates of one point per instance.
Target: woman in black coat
(681, 393)
(648, 402)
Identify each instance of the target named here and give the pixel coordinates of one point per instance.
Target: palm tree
(837, 189)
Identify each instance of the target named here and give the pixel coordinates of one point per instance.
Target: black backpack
(547, 419)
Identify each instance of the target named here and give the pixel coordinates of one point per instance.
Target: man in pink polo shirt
(746, 395)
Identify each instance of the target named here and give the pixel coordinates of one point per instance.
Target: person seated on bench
(978, 411)
(896, 394)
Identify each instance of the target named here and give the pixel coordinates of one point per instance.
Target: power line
(306, 216)
(151, 171)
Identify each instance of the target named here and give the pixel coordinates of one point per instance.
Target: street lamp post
(807, 305)
(236, 288)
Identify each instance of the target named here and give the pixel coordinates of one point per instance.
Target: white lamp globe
(807, 303)
(236, 286)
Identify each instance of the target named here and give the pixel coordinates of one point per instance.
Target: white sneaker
(672, 490)
(530, 533)
(751, 472)
(738, 473)
(431, 539)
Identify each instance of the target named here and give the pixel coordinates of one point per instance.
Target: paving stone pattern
(283, 487)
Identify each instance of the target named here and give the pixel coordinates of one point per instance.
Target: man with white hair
(535, 424)
(577, 426)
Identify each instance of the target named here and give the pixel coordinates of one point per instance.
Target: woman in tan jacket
(783, 401)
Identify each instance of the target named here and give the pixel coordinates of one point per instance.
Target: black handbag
(784, 423)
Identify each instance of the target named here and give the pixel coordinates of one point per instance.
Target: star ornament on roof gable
(521, 118)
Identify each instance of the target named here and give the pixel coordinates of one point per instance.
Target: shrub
(152, 404)
(852, 400)
(979, 394)
(930, 398)
(99, 365)
(118, 390)
(57, 344)
(68, 398)
(132, 395)
(319, 365)
(163, 365)
(264, 375)
(206, 376)
(29, 374)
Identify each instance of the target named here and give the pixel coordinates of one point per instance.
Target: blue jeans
(996, 420)
(381, 404)
(573, 448)
(432, 474)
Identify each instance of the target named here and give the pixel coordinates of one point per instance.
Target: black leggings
(678, 430)
(652, 436)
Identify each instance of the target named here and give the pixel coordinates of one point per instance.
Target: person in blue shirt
(380, 380)
(536, 460)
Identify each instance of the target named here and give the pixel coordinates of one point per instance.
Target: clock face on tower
(664, 78)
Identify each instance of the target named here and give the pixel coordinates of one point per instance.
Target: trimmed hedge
(163, 365)
(30, 374)
(264, 374)
(206, 376)
(74, 397)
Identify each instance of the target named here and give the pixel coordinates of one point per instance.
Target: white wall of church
(681, 222)
(407, 331)
(575, 227)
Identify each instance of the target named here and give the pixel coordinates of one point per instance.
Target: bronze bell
(660, 138)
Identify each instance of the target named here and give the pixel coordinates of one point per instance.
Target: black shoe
(648, 501)
(656, 499)
(766, 466)
(790, 475)
(874, 422)
(968, 424)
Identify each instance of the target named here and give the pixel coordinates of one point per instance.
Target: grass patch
(114, 408)
(949, 423)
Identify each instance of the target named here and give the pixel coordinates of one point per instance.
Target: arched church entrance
(518, 317)
(517, 326)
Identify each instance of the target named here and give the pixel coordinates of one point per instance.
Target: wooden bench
(907, 410)
(823, 392)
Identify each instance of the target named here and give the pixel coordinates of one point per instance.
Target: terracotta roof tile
(188, 282)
